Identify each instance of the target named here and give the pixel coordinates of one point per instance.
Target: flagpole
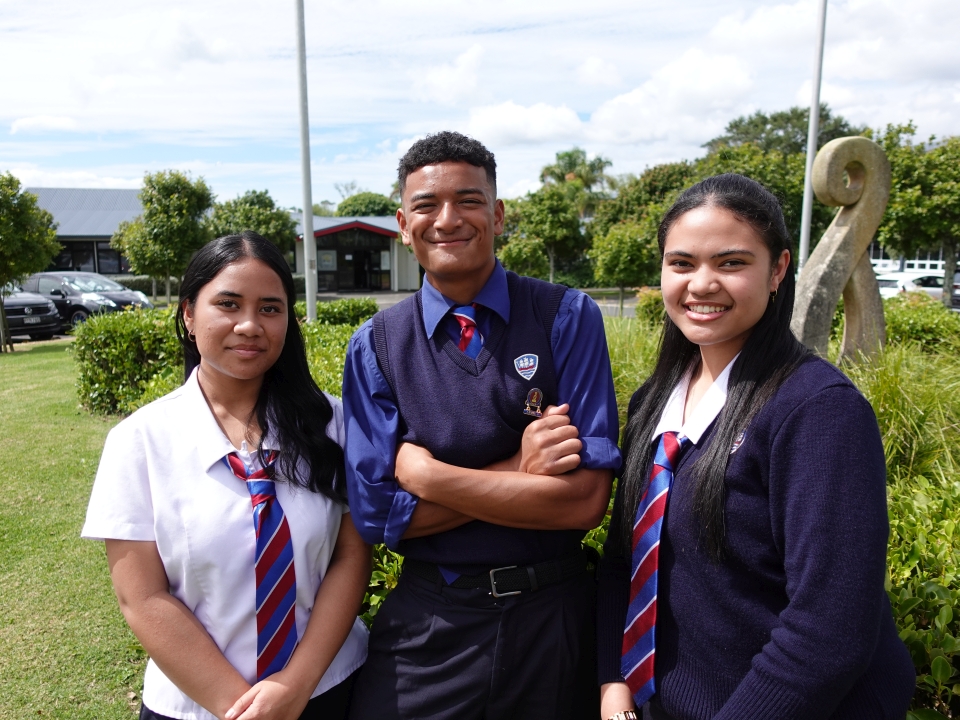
(813, 132)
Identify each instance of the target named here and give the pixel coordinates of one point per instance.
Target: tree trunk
(5, 340)
(621, 301)
(949, 269)
(168, 287)
(153, 282)
(551, 254)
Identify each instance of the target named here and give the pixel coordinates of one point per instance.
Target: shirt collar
(493, 295)
(703, 414)
(212, 445)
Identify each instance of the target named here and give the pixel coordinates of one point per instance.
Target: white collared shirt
(706, 411)
(162, 479)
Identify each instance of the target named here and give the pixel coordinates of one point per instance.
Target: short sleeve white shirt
(162, 478)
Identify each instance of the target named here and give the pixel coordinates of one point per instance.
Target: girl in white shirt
(196, 540)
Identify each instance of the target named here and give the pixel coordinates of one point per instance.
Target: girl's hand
(270, 699)
(614, 698)
(551, 444)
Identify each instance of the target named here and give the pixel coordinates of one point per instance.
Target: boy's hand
(551, 444)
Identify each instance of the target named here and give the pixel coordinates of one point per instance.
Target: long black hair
(771, 353)
(290, 401)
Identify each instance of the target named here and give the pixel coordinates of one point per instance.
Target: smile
(706, 309)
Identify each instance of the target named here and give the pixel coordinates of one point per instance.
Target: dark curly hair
(447, 146)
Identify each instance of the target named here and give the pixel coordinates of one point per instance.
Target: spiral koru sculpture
(852, 173)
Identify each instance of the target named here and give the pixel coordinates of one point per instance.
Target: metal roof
(88, 213)
(325, 225)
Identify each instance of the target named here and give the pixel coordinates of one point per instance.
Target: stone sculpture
(854, 174)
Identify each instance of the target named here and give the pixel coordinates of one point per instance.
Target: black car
(30, 314)
(78, 295)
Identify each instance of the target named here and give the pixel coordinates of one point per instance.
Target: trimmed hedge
(917, 317)
(118, 354)
(144, 283)
(349, 311)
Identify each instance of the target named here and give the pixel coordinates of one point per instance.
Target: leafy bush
(650, 305)
(326, 352)
(118, 353)
(349, 311)
(917, 317)
(144, 283)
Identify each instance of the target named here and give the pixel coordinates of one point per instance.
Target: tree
(28, 241)
(655, 185)
(525, 256)
(324, 208)
(924, 208)
(161, 241)
(254, 210)
(579, 176)
(784, 131)
(366, 203)
(549, 216)
(627, 256)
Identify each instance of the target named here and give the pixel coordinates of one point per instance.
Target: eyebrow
(232, 294)
(429, 195)
(722, 253)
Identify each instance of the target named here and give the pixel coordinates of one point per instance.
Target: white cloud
(32, 176)
(685, 99)
(42, 122)
(511, 124)
(597, 72)
(449, 84)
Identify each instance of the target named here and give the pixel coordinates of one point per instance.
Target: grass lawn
(65, 651)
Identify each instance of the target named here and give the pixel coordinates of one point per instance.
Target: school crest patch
(526, 365)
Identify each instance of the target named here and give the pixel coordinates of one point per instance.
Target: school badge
(738, 442)
(534, 401)
(526, 365)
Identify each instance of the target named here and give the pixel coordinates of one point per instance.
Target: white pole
(813, 131)
(309, 242)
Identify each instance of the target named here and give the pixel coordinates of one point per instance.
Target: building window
(109, 261)
(75, 256)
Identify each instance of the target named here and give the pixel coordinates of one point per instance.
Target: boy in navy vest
(481, 430)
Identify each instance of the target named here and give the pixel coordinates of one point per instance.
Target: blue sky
(104, 91)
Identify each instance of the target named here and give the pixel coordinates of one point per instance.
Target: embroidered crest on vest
(738, 442)
(526, 365)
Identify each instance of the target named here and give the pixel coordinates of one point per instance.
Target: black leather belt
(510, 580)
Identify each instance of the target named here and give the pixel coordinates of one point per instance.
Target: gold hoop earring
(773, 296)
(192, 337)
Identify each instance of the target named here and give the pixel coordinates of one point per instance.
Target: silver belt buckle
(493, 582)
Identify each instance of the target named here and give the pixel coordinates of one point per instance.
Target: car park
(930, 282)
(30, 314)
(78, 295)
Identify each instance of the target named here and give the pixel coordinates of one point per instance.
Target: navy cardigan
(795, 622)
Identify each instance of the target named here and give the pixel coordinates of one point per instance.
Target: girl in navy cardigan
(768, 596)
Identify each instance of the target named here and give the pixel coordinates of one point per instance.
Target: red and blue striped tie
(636, 659)
(276, 579)
(471, 341)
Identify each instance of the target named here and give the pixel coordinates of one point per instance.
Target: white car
(930, 282)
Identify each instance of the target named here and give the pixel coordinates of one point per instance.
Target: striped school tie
(636, 660)
(471, 341)
(276, 579)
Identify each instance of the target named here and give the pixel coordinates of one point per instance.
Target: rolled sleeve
(585, 380)
(380, 509)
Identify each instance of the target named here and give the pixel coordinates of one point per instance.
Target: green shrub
(326, 352)
(144, 283)
(349, 311)
(917, 317)
(118, 353)
(650, 305)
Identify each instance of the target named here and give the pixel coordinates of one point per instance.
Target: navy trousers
(439, 653)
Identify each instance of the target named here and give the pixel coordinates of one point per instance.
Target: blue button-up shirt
(380, 508)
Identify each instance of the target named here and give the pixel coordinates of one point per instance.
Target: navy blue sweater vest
(469, 413)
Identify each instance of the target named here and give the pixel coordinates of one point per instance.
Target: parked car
(930, 282)
(30, 314)
(78, 295)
